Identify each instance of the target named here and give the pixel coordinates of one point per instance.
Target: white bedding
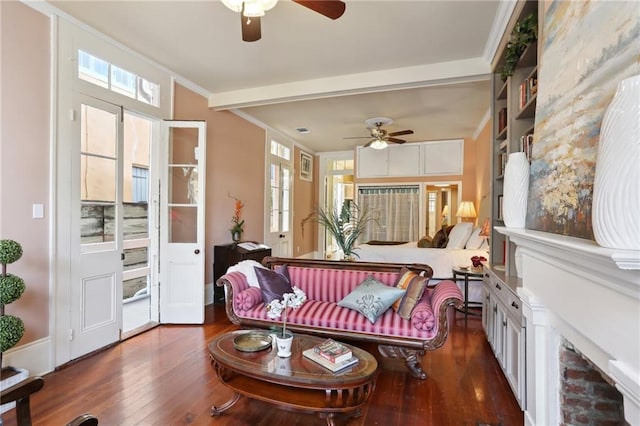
(440, 260)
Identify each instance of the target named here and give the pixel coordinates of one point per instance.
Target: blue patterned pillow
(371, 298)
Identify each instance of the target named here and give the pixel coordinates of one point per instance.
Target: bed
(442, 260)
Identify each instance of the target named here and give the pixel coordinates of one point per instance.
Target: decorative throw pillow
(246, 267)
(475, 240)
(459, 235)
(415, 285)
(273, 284)
(425, 242)
(371, 298)
(440, 239)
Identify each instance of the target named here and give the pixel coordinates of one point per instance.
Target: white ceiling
(424, 64)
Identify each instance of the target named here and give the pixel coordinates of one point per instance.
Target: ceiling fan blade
(332, 9)
(250, 28)
(394, 140)
(368, 143)
(401, 132)
(357, 137)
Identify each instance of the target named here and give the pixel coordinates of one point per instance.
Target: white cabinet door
(404, 160)
(443, 157)
(372, 162)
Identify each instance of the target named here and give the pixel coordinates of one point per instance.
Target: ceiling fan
(381, 137)
(252, 10)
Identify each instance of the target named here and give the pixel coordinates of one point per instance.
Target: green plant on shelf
(524, 33)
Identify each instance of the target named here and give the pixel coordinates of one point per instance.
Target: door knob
(197, 251)
(281, 236)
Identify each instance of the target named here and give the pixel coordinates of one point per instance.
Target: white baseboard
(35, 356)
(208, 293)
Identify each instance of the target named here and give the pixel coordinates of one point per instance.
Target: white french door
(182, 222)
(280, 193)
(96, 226)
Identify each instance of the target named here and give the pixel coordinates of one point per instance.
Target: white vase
(283, 344)
(516, 190)
(616, 188)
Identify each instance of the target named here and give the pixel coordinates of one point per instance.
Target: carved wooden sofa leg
(410, 356)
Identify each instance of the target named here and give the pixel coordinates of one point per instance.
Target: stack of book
(332, 355)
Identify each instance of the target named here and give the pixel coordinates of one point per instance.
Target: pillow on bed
(441, 237)
(425, 242)
(475, 240)
(459, 235)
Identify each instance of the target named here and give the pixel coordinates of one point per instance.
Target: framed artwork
(306, 166)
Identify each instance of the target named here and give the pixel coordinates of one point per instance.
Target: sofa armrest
(237, 280)
(445, 294)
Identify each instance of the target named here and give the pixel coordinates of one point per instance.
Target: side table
(467, 274)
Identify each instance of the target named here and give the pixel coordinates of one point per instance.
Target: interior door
(182, 222)
(96, 231)
(280, 197)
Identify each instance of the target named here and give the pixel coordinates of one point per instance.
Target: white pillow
(475, 240)
(459, 235)
(246, 267)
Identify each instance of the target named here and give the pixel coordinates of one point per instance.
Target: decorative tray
(252, 341)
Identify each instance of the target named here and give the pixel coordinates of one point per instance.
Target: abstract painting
(587, 48)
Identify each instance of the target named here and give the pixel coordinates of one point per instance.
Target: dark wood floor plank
(163, 377)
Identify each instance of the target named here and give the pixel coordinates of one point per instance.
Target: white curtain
(396, 210)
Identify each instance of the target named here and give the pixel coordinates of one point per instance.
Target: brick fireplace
(581, 305)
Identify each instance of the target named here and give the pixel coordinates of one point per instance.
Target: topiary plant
(11, 288)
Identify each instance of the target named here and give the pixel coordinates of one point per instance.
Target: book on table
(333, 351)
(333, 366)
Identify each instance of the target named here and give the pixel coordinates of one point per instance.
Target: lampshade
(486, 228)
(445, 211)
(378, 144)
(466, 210)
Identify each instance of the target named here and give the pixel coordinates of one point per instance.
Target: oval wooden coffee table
(296, 383)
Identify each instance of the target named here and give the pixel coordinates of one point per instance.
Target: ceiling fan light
(378, 144)
(268, 4)
(253, 9)
(235, 5)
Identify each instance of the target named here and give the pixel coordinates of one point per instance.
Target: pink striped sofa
(326, 283)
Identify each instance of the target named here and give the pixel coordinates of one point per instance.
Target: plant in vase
(236, 228)
(278, 308)
(476, 263)
(11, 288)
(344, 226)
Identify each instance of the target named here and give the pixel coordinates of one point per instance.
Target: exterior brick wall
(587, 398)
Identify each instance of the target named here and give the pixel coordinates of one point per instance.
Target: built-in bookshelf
(514, 108)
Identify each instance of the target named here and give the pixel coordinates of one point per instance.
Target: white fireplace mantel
(590, 295)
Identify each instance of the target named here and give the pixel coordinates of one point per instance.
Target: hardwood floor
(163, 377)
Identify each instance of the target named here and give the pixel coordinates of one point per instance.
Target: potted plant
(344, 226)
(11, 327)
(277, 309)
(524, 33)
(237, 223)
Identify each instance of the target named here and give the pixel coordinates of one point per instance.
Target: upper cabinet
(515, 89)
(437, 158)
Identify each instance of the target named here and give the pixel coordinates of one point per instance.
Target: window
(101, 73)
(396, 210)
(280, 150)
(140, 185)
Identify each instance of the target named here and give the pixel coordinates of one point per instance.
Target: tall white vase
(616, 188)
(516, 190)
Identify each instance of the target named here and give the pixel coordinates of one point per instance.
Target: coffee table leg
(216, 411)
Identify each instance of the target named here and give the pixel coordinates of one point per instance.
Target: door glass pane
(183, 185)
(98, 131)
(135, 287)
(285, 199)
(182, 146)
(97, 222)
(98, 182)
(274, 198)
(183, 224)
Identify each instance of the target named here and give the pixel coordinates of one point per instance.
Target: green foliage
(11, 288)
(11, 331)
(524, 33)
(345, 226)
(10, 251)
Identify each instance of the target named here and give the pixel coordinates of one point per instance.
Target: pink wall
(24, 157)
(235, 165)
